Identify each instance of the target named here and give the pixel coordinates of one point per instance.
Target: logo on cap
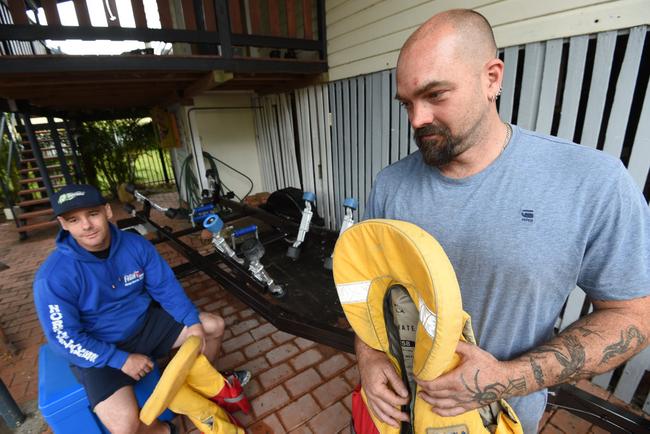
(69, 196)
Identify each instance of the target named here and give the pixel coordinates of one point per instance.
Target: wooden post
(291, 18)
(138, 14)
(165, 14)
(51, 13)
(83, 17)
(18, 11)
(306, 17)
(223, 23)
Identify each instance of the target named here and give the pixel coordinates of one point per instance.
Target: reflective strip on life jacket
(355, 292)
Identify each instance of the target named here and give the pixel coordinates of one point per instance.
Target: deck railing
(8, 47)
(225, 28)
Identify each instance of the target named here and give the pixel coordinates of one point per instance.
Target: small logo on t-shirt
(131, 278)
(527, 215)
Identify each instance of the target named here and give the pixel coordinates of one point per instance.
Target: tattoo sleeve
(570, 355)
(495, 391)
(594, 344)
(628, 337)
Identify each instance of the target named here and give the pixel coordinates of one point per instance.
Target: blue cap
(75, 196)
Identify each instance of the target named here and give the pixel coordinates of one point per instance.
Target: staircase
(47, 161)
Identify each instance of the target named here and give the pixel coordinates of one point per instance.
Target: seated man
(109, 303)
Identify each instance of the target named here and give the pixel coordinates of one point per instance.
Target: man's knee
(119, 413)
(125, 424)
(213, 325)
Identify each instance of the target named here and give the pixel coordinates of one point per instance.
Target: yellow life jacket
(400, 294)
(191, 386)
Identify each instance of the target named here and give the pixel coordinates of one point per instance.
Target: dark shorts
(154, 338)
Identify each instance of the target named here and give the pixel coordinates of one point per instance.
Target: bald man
(524, 218)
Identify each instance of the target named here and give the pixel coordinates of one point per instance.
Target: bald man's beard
(441, 150)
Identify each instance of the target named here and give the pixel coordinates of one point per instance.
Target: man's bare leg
(213, 327)
(120, 414)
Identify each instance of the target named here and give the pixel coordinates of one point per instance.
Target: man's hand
(137, 366)
(197, 330)
(478, 380)
(384, 388)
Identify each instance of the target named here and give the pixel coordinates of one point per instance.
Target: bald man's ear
(494, 74)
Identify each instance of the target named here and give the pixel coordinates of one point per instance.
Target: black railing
(225, 28)
(153, 168)
(17, 47)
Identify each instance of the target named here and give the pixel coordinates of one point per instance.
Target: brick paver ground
(298, 386)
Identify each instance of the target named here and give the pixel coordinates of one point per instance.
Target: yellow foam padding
(172, 379)
(205, 414)
(508, 421)
(204, 378)
(390, 252)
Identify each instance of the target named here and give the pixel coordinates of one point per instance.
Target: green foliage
(110, 149)
(9, 178)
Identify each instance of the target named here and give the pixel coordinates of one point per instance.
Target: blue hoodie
(87, 304)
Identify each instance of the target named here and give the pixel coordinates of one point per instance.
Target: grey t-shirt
(546, 215)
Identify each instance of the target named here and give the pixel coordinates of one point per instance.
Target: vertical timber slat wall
(337, 138)
(531, 85)
(639, 165)
(276, 144)
(605, 45)
(573, 86)
(549, 86)
(322, 145)
(506, 107)
(620, 111)
(315, 147)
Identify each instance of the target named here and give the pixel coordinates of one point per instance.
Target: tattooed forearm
(495, 391)
(537, 372)
(572, 362)
(611, 334)
(624, 344)
(585, 331)
(585, 327)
